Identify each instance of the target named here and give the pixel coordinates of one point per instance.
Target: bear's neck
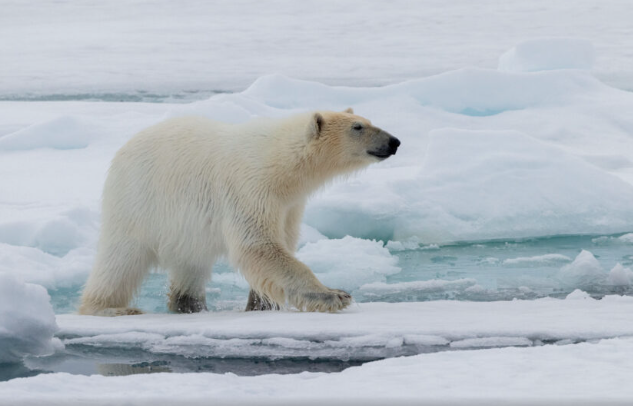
(302, 175)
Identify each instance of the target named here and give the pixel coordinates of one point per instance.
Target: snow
(135, 49)
(548, 53)
(27, 322)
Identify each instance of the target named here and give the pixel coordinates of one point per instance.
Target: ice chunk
(309, 234)
(490, 342)
(424, 340)
(584, 271)
(32, 265)
(540, 259)
(435, 285)
(349, 262)
(547, 54)
(626, 238)
(27, 322)
(620, 276)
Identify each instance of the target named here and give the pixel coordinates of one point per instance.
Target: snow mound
(547, 54)
(579, 295)
(459, 91)
(508, 185)
(61, 133)
(56, 235)
(27, 322)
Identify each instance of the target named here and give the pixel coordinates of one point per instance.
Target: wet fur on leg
(259, 303)
(186, 304)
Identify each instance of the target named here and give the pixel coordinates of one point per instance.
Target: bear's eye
(357, 126)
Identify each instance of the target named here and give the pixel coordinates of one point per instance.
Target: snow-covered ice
(367, 330)
(132, 49)
(548, 53)
(596, 370)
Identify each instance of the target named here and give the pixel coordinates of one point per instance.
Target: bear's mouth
(379, 155)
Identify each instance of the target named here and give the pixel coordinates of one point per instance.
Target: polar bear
(187, 191)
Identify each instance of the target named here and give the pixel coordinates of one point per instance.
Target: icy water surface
(499, 270)
(483, 271)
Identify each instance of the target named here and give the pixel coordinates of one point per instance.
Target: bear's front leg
(278, 277)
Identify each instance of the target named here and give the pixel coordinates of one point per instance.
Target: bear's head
(345, 141)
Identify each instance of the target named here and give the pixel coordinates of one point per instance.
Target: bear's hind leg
(257, 302)
(187, 292)
(117, 274)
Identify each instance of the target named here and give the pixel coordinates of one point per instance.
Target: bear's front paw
(329, 301)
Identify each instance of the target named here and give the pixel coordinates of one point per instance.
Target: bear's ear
(315, 126)
(349, 110)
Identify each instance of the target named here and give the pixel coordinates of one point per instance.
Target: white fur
(187, 191)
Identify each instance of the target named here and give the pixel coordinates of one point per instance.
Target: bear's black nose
(394, 143)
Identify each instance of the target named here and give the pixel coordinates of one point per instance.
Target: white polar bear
(189, 190)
